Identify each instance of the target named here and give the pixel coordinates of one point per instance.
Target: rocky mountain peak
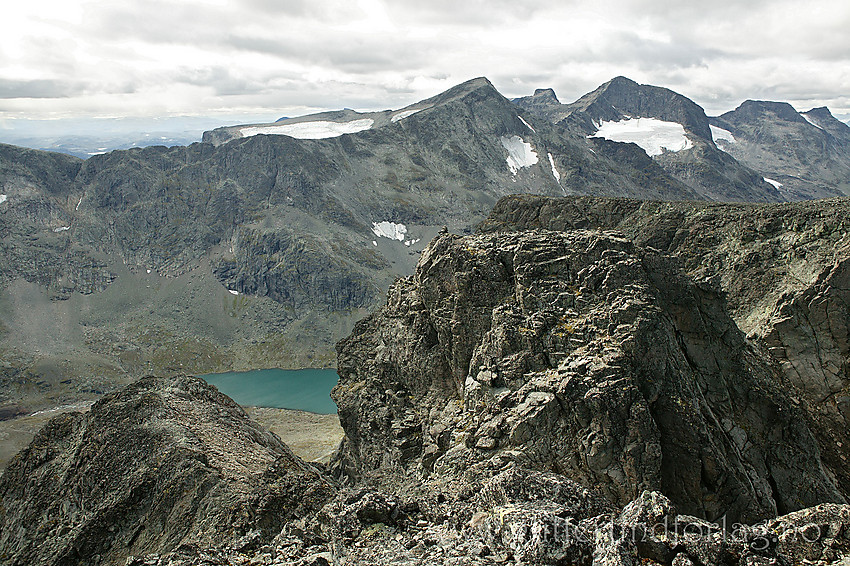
(759, 109)
(807, 153)
(622, 96)
(546, 94)
(824, 118)
(478, 91)
(578, 352)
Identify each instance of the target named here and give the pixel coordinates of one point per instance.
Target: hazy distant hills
(261, 246)
(86, 137)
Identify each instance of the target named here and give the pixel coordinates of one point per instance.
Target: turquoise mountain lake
(301, 389)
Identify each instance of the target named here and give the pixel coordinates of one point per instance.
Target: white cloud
(123, 57)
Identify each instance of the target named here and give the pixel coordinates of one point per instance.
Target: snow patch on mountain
(719, 134)
(776, 184)
(391, 230)
(527, 124)
(404, 114)
(651, 134)
(554, 171)
(520, 153)
(3, 198)
(812, 122)
(311, 130)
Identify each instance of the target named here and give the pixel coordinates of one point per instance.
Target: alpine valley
(583, 333)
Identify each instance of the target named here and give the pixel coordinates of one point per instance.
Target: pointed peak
(481, 86)
(826, 120)
(622, 81)
(820, 112)
(474, 84)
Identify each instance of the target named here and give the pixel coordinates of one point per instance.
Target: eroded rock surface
(580, 353)
(783, 269)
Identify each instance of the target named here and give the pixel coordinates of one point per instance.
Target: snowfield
(311, 130)
(651, 134)
(3, 198)
(389, 230)
(520, 153)
(776, 184)
(719, 134)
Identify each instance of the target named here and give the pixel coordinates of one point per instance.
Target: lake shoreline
(306, 389)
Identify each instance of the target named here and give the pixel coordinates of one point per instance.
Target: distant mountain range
(86, 137)
(263, 244)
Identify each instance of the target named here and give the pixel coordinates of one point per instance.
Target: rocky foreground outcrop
(579, 353)
(159, 464)
(784, 270)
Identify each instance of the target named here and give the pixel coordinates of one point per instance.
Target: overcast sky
(88, 58)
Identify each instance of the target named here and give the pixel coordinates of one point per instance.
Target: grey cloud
(248, 51)
(325, 11)
(221, 79)
(39, 89)
(628, 47)
(358, 54)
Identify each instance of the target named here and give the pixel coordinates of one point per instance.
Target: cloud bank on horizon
(78, 58)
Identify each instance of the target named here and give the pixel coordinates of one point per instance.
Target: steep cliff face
(579, 353)
(300, 272)
(783, 269)
(159, 464)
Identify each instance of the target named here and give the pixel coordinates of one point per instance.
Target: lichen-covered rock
(580, 353)
(158, 464)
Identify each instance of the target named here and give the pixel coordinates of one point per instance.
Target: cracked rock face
(783, 268)
(159, 464)
(580, 353)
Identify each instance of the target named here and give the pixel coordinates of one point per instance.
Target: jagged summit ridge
(669, 127)
(807, 153)
(338, 122)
